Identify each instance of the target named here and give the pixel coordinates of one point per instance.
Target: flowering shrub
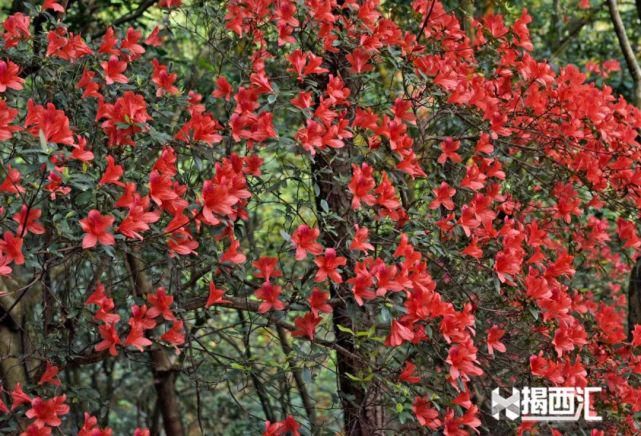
(423, 208)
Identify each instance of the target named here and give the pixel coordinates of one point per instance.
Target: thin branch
(128, 17)
(574, 28)
(425, 21)
(308, 402)
(232, 303)
(261, 391)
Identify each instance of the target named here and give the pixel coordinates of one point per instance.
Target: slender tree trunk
(634, 298)
(12, 370)
(162, 364)
(362, 412)
(263, 397)
(626, 49)
(334, 227)
(634, 294)
(165, 384)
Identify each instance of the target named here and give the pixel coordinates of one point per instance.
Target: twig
(308, 402)
(128, 17)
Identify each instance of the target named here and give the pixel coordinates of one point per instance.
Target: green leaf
(285, 235)
(385, 315)
(345, 329)
(367, 333)
(109, 250)
(324, 205)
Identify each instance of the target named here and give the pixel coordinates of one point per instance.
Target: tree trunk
(362, 413)
(334, 227)
(626, 49)
(634, 295)
(162, 364)
(15, 365)
(165, 384)
(634, 298)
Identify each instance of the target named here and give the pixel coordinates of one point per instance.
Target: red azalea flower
(327, 264)
(426, 415)
(269, 294)
(318, 302)
(160, 305)
(11, 245)
(9, 76)
(48, 412)
(176, 334)
(50, 375)
(52, 122)
(304, 240)
(114, 69)
(215, 295)
(494, 335)
(27, 220)
(96, 227)
(112, 173)
(110, 339)
(306, 325)
(52, 5)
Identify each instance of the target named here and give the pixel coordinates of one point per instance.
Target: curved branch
(261, 391)
(128, 17)
(308, 402)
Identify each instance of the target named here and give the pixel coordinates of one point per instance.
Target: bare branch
(129, 17)
(308, 402)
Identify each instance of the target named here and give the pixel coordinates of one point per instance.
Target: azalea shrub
(350, 223)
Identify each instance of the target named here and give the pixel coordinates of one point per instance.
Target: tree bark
(16, 301)
(163, 368)
(626, 48)
(634, 298)
(334, 227)
(165, 384)
(330, 171)
(634, 294)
